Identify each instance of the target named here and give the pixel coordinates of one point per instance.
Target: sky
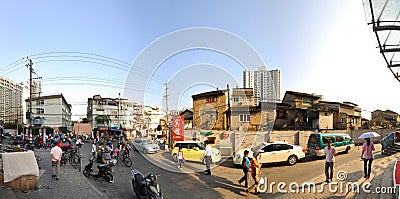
(133, 48)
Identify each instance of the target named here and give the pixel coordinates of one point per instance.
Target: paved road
(177, 184)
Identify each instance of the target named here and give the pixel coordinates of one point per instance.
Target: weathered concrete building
(209, 109)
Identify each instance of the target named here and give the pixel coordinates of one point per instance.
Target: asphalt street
(175, 184)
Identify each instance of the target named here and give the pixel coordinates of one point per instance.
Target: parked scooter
(145, 187)
(105, 171)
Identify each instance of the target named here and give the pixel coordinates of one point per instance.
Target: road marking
(94, 188)
(41, 172)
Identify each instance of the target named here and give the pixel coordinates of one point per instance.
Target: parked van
(318, 141)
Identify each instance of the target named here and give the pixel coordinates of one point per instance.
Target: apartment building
(52, 110)
(11, 109)
(266, 84)
(110, 113)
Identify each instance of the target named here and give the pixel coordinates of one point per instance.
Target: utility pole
(228, 113)
(30, 64)
(167, 118)
(166, 101)
(16, 133)
(119, 100)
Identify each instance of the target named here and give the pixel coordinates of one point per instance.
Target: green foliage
(102, 119)
(13, 125)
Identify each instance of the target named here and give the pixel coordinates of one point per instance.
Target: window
(209, 100)
(39, 102)
(236, 99)
(39, 111)
(326, 139)
(281, 114)
(281, 147)
(313, 140)
(339, 139)
(269, 148)
(244, 118)
(307, 101)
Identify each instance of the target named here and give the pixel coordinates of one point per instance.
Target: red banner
(178, 133)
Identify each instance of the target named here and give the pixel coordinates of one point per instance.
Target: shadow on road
(219, 182)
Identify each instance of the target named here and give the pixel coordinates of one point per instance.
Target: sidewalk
(72, 183)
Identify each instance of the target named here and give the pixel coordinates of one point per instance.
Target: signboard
(178, 133)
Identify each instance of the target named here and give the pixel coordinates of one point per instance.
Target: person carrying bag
(255, 173)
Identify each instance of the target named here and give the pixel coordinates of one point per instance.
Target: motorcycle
(145, 187)
(105, 171)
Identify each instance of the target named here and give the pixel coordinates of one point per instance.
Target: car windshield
(313, 140)
(147, 142)
(258, 147)
(201, 146)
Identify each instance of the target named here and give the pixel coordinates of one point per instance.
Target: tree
(102, 118)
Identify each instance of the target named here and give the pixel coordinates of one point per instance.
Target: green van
(318, 141)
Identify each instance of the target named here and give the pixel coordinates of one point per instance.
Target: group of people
(105, 152)
(366, 156)
(57, 151)
(253, 166)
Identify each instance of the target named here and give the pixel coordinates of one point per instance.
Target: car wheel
(347, 150)
(175, 157)
(292, 160)
(144, 151)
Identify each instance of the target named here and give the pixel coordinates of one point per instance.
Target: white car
(145, 145)
(273, 152)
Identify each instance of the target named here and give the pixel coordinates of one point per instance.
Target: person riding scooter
(104, 171)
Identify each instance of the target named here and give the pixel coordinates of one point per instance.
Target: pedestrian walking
(56, 154)
(368, 156)
(255, 173)
(180, 158)
(107, 154)
(79, 143)
(207, 157)
(94, 148)
(330, 153)
(246, 169)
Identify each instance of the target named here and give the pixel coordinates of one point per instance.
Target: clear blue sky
(323, 47)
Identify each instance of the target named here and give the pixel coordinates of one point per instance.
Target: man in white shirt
(207, 157)
(56, 154)
(330, 153)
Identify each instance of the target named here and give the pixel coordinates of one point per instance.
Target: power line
(98, 59)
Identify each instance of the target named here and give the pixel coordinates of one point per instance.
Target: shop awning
(206, 133)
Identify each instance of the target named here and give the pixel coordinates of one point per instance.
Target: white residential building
(54, 111)
(36, 88)
(266, 84)
(119, 111)
(153, 117)
(11, 109)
